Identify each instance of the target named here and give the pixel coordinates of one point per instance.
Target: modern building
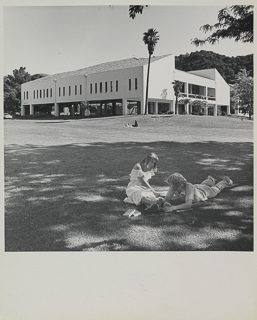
(119, 88)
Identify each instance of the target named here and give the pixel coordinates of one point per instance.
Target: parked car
(7, 116)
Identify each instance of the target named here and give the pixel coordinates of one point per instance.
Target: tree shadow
(70, 198)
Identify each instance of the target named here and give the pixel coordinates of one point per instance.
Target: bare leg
(149, 202)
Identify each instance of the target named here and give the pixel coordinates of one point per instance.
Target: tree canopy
(234, 22)
(12, 88)
(228, 67)
(150, 39)
(134, 10)
(243, 91)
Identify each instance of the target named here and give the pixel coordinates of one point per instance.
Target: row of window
(63, 90)
(42, 93)
(45, 93)
(100, 86)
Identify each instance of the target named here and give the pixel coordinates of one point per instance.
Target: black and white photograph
(128, 134)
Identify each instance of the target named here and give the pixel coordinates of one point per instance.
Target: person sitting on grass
(189, 193)
(139, 191)
(135, 124)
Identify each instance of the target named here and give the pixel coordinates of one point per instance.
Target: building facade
(119, 88)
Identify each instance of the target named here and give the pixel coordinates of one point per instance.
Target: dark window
(44, 93)
(135, 83)
(195, 89)
(24, 95)
(51, 92)
(47, 93)
(111, 86)
(69, 90)
(63, 91)
(34, 94)
(37, 94)
(95, 87)
(91, 88)
(40, 93)
(59, 91)
(129, 84)
(80, 89)
(106, 86)
(76, 90)
(117, 85)
(101, 87)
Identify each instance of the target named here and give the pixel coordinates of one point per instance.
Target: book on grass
(132, 213)
(181, 210)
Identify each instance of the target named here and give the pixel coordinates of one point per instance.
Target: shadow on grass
(70, 198)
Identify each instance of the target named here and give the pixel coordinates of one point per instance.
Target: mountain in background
(228, 67)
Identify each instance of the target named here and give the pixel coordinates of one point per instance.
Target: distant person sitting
(135, 124)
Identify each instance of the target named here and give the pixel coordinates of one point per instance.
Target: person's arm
(186, 205)
(145, 183)
(169, 195)
(142, 179)
(188, 200)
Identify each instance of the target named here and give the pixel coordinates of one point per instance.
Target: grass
(65, 184)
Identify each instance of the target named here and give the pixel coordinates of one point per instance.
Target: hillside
(228, 67)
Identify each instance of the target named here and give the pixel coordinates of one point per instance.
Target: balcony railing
(196, 96)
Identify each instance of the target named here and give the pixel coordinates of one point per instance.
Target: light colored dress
(135, 190)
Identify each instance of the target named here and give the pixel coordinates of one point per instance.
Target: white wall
(222, 90)
(37, 85)
(193, 79)
(161, 78)
(72, 82)
(122, 76)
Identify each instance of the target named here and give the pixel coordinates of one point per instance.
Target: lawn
(65, 183)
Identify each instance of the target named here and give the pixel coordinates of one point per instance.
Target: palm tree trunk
(147, 81)
(176, 105)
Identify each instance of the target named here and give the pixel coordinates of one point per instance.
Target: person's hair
(148, 158)
(176, 180)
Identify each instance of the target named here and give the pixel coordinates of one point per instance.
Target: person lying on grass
(139, 191)
(190, 193)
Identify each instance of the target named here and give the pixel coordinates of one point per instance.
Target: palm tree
(177, 86)
(150, 39)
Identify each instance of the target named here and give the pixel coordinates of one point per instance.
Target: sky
(54, 39)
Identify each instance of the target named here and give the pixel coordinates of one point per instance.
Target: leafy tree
(12, 89)
(235, 22)
(177, 86)
(227, 66)
(150, 39)
(243, 91)
(134, 10)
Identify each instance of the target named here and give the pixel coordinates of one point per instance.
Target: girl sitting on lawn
(139, 191)
(190, 193)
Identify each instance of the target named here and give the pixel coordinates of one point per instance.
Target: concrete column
(22, 110)
(56, 109)
(190, 108)
(156, 108)
(228, 110)
(138, 107)
(186, 108)
(124, 107)
(31, 109)
(205, 110)
(170, 106)
(215, 109)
